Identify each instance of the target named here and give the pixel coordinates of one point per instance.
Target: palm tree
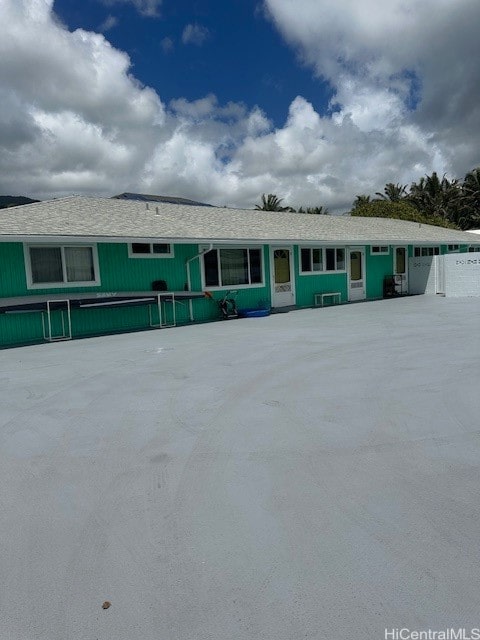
(270, 203)
(361, 201)
(435, 197)
(393, 192)
(470, 205)
(319, 211)
(471, 185)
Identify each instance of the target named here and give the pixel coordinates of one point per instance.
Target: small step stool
(319, 298)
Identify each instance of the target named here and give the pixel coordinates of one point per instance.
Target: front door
(283, 294)
(400, 270)
(356, 277)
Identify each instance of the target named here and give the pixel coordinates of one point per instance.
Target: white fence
(453, 275)
(421, 276)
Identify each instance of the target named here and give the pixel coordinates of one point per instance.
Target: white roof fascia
(343, 242)
(129, 239)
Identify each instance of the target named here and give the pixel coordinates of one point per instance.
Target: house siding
(253, 297)
(307, 285)
(119, 272)
(377, 268)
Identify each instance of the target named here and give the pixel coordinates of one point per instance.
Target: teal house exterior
(80, 266)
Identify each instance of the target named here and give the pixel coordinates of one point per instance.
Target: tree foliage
(361, 201)
(438, 201)
(432, 200)
(469, 217)
(271, 202)
(400, 210)
(318, 211)
(393, 192)
(436, 197)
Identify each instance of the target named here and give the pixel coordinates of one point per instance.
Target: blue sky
(222, 101)
(238, 55)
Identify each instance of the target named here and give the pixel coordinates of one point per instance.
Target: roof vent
(146, 205)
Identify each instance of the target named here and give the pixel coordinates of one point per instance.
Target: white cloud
(73, 119)
(69, 104)
(149, 8)
(109, 23)
(381, 57)
(167, 44)
(195, 34)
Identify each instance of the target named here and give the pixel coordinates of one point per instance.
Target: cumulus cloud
(195, 34)
(73, 118)
(69, 104)
(395, 65)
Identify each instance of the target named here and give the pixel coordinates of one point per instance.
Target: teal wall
(307, 285)
(250, 298)
(376, 269)
(118, 272)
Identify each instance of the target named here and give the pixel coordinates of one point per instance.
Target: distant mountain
(143, 197)
(14, 201)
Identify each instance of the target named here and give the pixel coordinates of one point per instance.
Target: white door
(400, 270)
(356, 274)
(283, 294)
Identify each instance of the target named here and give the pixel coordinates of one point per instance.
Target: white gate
(439, 265)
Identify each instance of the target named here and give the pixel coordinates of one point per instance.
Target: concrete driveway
(314, 474)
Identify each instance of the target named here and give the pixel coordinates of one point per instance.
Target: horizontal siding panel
(377, 268)
(118, 272)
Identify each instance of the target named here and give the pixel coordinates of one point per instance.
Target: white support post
(66, 333)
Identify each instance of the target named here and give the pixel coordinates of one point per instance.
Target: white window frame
(455, 250)
(380, 253)
(151, 255)
(227, 287)
(64, 284)
(324, 271)
(473, 248)
(425, 251)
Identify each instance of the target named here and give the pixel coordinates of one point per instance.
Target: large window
(150, 250)
(58, 265)
(421, 252)
(315, 260)
(233, 267)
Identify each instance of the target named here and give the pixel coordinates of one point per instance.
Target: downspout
(189, 278)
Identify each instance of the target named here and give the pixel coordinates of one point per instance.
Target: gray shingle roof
(110, 219)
